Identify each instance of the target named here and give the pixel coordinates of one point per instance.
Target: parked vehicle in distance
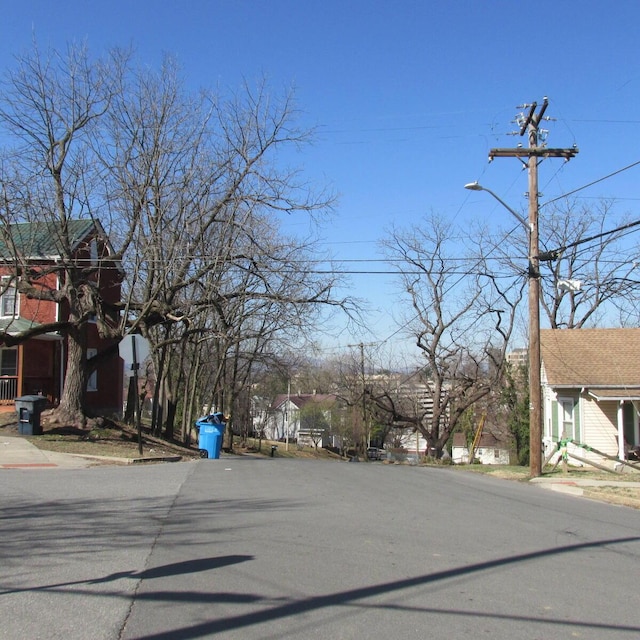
(373, 453)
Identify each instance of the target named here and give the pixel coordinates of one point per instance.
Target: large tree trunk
(71, 410)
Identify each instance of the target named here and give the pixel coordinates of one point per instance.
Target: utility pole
(366, 436)
(365, 441)
(287, 414)
(530, 123)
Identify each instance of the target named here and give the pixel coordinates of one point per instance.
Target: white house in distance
(302, 418)
(591, 390)
(414, 396)
(413, 442)
(490, 450)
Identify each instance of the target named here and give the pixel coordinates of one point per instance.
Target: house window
(92, 382)
(8, 362)
(8, 299)
(566, 418)
(93, 248)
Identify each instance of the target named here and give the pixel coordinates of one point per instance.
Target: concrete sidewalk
(576, 486)
(17, 452)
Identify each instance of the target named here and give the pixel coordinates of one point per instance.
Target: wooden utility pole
(529, 123)
(365, 434)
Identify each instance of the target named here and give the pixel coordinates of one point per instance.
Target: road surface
(277, 548)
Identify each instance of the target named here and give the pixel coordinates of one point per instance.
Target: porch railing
(8, 389)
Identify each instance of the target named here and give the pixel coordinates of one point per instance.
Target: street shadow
(196, 565)
(355, 597)
(25, 530)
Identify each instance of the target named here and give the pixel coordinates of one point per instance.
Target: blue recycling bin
(210, 434)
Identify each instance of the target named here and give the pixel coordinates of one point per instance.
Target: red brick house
(37, 366)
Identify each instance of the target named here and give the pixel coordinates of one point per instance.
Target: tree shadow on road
(355, 597)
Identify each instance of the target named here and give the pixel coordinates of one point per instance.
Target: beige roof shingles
(591, 357)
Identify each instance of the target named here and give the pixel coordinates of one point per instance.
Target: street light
(535, 390)
(474, 186)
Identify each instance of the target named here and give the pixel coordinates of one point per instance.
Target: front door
(630, 424)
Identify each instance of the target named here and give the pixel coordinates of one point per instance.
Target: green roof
(43, 239)
(14, 326)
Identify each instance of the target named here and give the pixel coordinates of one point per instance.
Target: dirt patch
(606, 491)
(102, 438)
(625, 496)
(509, 474)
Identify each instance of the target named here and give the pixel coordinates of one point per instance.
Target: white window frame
(566, 419)
(8, 286)
(92, 382)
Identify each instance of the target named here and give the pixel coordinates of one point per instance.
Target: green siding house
(591, 391)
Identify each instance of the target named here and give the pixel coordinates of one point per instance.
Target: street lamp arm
(474, 186)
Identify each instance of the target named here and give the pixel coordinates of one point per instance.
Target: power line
(554, 254)
(590, 184)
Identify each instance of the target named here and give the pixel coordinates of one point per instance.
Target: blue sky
(408, 96)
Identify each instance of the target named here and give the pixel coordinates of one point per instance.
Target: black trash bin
(29, 410)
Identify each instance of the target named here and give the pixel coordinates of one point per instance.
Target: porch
(29, 369)
(9, 390)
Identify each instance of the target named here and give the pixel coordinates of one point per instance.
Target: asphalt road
(275, 548)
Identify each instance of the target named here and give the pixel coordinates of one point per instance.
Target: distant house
(37, 366)
(591, 389)
(412, 443)
(412, 396)
(302, 418)
(490, 450)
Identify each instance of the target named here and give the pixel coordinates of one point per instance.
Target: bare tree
(225, 270)
(585, 244)
(604, 265)
(461, 315)
(186, 186)
(50, 104)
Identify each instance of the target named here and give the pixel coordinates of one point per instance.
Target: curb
(156, 459)
(88, 456)
(585, 482)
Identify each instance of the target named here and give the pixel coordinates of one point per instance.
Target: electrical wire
(590, 184)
